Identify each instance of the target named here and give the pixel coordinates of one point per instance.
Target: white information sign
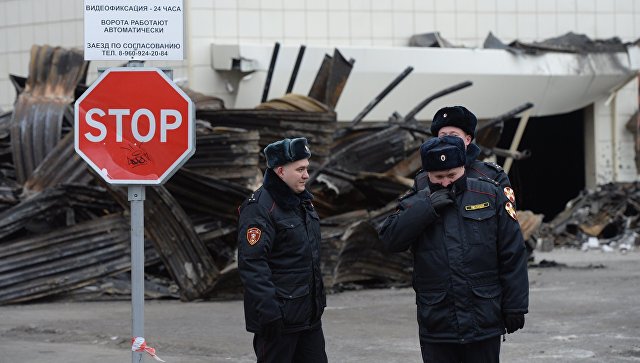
(133, 30)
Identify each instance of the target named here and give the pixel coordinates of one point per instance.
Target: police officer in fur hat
(279, 260)
(470, 264)
(459, 121)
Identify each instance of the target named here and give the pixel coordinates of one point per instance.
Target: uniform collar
(281, 193)
(458, 186)
(473, 151)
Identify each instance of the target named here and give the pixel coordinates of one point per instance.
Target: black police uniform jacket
(474, 169)
(470, 265)
(279, 258)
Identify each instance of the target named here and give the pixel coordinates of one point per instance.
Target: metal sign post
(136, 201)
(136, 198)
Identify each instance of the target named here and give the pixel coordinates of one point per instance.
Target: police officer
(459, 121)
(470, 266)
(279, 260)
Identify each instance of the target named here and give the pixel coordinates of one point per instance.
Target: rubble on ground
(604, 219)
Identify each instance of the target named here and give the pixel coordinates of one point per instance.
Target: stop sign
(134, 126)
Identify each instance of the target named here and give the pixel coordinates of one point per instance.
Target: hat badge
(306, 148)
(443, 158)
(445, 115)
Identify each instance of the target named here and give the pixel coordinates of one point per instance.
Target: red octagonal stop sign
(134, 126)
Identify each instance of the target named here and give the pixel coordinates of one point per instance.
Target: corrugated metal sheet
(64, 259)
(36, 125)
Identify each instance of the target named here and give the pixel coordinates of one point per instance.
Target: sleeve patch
(253, 235)
(510, 194)
(511, 211)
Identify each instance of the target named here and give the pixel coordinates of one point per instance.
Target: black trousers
(484, 351)
(306, 346)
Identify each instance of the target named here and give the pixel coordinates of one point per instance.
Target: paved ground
(588, 311)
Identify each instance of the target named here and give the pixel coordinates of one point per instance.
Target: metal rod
(411, 115)
(136, 198)
(296, 68)
(272, 65)
(380, 96)
(505, 116)
(516, 139)
(516, 155)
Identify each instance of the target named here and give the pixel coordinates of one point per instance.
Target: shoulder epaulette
(255, 196)
(492, 165)
(489, 180)
(407, 194)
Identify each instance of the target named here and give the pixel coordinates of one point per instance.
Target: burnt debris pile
(65, 233)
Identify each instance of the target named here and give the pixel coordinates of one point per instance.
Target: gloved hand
(513, 322)
(440, 199)
(272, 330)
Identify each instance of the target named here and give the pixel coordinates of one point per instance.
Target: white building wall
(608, 141)
(316, 22)
(626, 106)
